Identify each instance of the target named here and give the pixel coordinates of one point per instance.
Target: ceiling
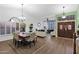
(44, 10)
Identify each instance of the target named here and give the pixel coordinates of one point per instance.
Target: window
(8, 28)
(13, 27)
(51, 24)
(2, 28)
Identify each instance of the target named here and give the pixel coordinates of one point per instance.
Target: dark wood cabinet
(66, 29)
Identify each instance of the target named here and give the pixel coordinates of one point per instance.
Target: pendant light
(63, 16)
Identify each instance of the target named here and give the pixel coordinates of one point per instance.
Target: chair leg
(29, 43)
(13, 41)
(34, 42)
(36, 39)
(17, 44)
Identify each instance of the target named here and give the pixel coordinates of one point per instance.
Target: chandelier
(22, 18)
(18, 19)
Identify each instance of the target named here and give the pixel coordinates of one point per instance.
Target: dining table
(25, 39)
(23, 35)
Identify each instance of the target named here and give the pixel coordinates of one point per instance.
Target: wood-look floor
(46, 45)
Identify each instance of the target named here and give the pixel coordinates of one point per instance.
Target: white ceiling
(42, 10)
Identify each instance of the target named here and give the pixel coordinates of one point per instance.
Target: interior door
(66, 29)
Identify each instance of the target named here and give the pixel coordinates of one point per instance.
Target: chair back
(32, 36)
(15, 36)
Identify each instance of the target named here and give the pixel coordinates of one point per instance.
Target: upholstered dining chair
(33, 36)
(32, 39)
(16, 40)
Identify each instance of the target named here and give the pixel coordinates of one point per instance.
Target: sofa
(40, 33)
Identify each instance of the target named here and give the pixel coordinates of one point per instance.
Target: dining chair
(33, 36)
(32, 39)
(16, 40)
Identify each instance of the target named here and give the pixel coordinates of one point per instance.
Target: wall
(77, 19)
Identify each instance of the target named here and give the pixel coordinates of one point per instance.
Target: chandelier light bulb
(63, 17)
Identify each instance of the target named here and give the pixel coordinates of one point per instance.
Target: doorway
(66, 29)
(51, 26)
